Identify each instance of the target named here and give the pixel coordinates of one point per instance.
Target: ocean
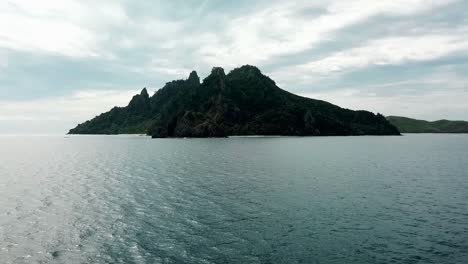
(133, 199)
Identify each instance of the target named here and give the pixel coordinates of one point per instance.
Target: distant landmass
(243, 102)
(409, 125)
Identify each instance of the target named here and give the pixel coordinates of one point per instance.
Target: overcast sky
(64, 61)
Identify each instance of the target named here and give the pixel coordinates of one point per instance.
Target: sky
(65, 61)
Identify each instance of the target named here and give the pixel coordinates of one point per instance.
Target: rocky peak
(139, 102)
(250, 69)
(252, 73)
(193, 78)
(246, 71)
(144, 93)
(218, 79)
(218, 71)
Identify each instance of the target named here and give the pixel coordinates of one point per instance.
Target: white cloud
(79, 107)
(386, 51)
(281, 30)
(394, 50)
(56, 115)
(34, 35)
(62, 27)
(93, 28)
(164, 68)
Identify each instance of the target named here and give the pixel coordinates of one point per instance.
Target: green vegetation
(243, 102)
(409, 125)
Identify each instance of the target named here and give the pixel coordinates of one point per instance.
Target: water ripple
(237, 200)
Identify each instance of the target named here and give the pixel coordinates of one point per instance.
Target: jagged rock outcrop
(243, 102)
(140, 103)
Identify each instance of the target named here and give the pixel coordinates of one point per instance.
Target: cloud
(283, 29)
(435, 105)
(257, 34)
(441, 95)
(354, 53)
(3, 61)
(58, 27)
(56, 115)
(395, 50)
(380, 52)
(77, 107)
(99, 28)
(33, 35)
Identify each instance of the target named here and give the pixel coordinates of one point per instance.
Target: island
(410, 125)
(240, 103)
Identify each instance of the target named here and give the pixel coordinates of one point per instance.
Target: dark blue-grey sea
(133, 199)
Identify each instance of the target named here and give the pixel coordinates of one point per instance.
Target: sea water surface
(133, 199)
